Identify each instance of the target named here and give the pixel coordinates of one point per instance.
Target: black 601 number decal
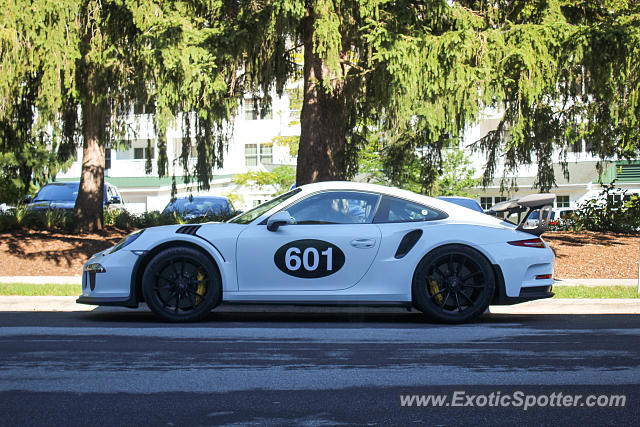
(309, 258)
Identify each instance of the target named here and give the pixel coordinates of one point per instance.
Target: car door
(330, 245)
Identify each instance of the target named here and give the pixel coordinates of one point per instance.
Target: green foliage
(292, 142)
(40, 220)
(62, 58)
(454, 177)
(370, 164)
(280, 179)
(418, 73)
(414, 73)
(613, 210)
(53, 219)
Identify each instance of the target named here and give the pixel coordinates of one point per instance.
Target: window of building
(258, 153)
(562, 201)
(142, 108)
(266, 154)
(254, 109)
(614, 198)
(107, 158)
(142, 153)
(486, 202)
(251, 154)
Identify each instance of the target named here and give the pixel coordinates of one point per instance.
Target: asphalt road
(311, 367)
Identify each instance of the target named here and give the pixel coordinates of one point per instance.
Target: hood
(47, 204)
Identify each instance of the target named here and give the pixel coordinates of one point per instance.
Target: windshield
(199, 205)
(254, 213)
(58, 193)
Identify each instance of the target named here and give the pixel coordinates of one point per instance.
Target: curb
(546, 306)
(595, 282)
(77, 280)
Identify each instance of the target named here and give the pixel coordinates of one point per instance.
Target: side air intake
(408, 242)
(188, 229)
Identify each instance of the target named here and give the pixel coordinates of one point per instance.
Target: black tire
(453, 284)
(181, 284)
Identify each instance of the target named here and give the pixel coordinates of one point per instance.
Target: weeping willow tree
(567, 74)
(416, 73)
(75, 68)
(31, 150)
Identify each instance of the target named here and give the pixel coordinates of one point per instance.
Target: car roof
(70, 183)
(454, 211)
(218, 198)
(63, 183)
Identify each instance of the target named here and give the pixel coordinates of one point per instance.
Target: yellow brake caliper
(202, 287)
(434, 289)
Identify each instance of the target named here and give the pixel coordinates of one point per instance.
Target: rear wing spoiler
(542, 202)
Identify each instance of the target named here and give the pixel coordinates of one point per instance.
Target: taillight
(543, 276)
(529, 243)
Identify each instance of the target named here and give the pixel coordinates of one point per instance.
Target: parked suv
(62, 196)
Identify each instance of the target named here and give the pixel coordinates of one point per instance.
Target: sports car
(333, 243)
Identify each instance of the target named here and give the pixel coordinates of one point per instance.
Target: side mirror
(278, 219)
(27, 199)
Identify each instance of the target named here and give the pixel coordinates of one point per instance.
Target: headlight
(126, 240)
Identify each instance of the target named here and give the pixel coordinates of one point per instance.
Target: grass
(25, 289)
(596, 292)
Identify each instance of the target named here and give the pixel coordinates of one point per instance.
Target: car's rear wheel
(453, 284)
(181, 284)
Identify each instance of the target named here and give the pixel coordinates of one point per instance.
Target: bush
(21, 218)
(613, 210)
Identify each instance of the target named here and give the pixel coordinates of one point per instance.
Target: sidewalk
(77, 280)
(540, 307)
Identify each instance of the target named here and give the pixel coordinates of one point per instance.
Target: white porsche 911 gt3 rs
(332, 243)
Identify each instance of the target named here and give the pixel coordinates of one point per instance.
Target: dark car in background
(62, 196)
(200, 206)
(465, 202)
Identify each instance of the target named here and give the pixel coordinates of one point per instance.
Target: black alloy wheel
(181, 284)
(453, 284)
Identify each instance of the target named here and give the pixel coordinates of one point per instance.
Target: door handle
(363, 243)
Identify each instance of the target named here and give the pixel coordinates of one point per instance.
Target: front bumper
(111, 284)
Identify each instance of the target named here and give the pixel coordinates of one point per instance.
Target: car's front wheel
(181, 284)
(453, 284)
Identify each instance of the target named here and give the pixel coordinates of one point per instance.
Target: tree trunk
(88, 211)
(323, 118)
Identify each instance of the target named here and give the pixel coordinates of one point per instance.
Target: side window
(399, 210)
(335, 207)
